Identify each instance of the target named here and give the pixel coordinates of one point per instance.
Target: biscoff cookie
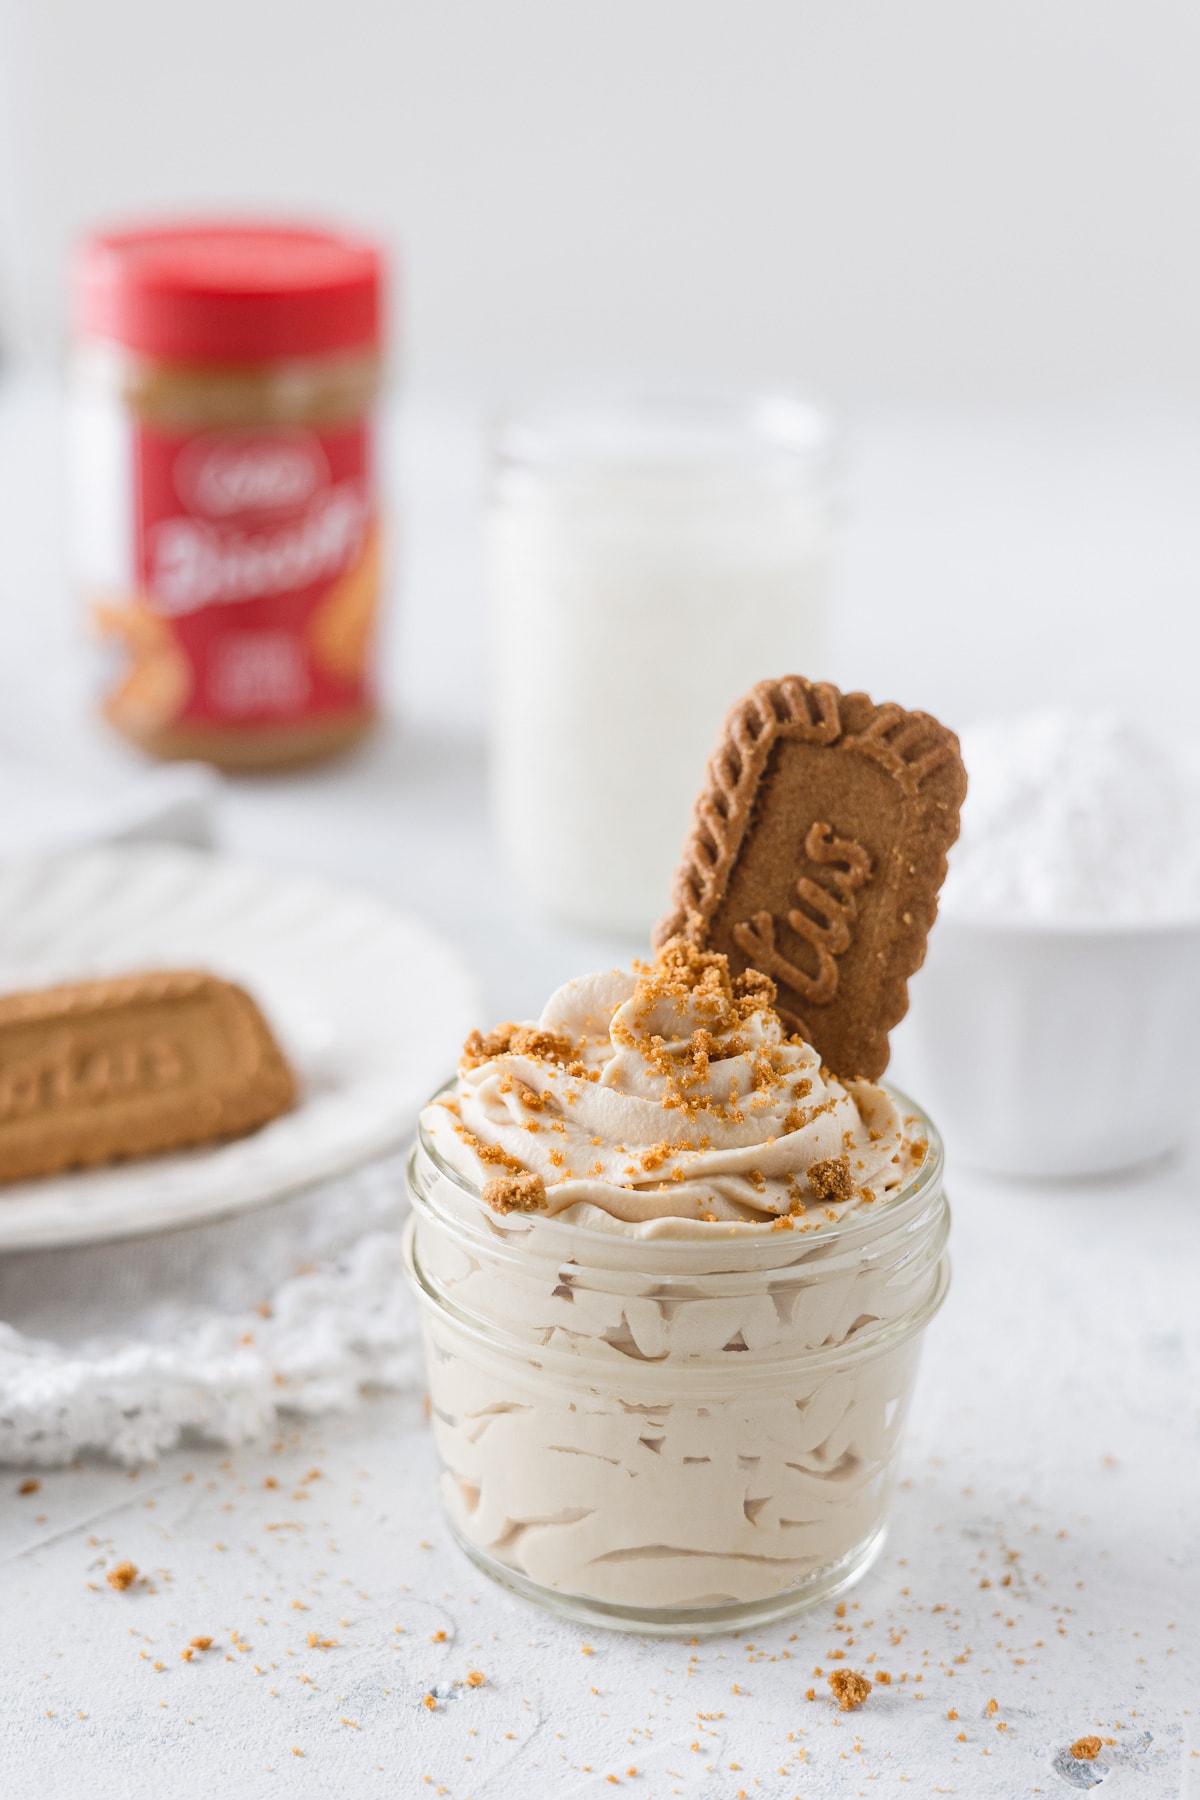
(98, 1071)
(816, 850)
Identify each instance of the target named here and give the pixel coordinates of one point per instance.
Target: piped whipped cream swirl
(668, 1101)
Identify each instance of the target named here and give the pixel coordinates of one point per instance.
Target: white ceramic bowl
(1055, 1050)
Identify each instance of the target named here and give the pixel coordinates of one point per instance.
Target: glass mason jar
(671, 1435)
(649, 560)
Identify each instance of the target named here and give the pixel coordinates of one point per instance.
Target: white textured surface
(1070, 1334)
(1055, 1418)
(369, 1006)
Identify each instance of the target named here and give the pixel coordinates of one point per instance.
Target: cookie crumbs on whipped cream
(831, 1179)
(664, 1101)
(515, 1193)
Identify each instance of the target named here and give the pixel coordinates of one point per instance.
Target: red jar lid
(211, 291)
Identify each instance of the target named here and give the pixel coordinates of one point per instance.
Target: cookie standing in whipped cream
(816, 850)
(665, 1102)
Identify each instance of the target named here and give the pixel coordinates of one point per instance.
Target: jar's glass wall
(666, 1496)
(666, 1434)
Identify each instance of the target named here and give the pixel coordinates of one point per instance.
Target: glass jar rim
(665, 434)
(865, 1222)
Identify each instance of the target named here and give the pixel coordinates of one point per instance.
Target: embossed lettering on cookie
(816, 850)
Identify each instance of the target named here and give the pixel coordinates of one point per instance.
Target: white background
(969, 226)
(939, 201)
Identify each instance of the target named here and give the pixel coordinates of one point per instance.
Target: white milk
(648, 564)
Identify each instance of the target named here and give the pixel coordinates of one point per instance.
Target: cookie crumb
(123, 1576)
(515, 1193)
(30, 1486)
(515, 1040)
(830, 1179)
(1086, 1749)
(850, 1688)
(475, 1677)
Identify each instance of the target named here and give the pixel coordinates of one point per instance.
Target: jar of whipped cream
(671, 1402)
(649, 560)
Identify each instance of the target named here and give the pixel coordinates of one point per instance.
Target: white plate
(370, 1007)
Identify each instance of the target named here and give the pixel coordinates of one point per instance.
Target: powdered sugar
(1075, 815)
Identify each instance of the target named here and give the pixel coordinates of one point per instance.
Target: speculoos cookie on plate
(94, 1072)
(816, 850)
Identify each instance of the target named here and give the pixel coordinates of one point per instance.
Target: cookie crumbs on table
(850, 1688)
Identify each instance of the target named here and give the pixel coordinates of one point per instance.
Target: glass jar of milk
(649, 561)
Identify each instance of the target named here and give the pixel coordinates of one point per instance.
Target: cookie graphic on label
(339, 632)
(158, 677)
(816, 850)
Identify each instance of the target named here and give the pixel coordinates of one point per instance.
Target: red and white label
(255, 551)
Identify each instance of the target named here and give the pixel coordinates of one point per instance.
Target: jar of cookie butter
(227, 533)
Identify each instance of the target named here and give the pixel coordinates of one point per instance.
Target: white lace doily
(121, 1349)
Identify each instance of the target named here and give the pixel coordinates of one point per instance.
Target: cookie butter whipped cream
(673, 1276)
(665, 1101)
